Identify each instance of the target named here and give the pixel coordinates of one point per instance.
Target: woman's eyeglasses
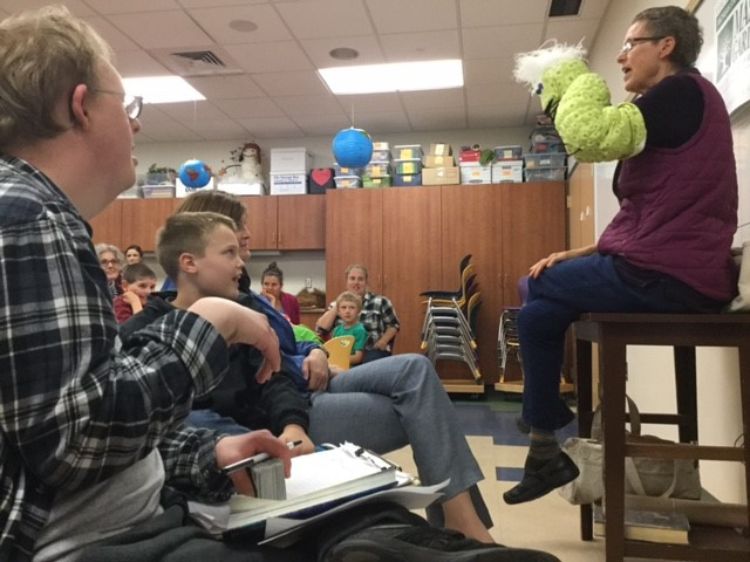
(633, 41)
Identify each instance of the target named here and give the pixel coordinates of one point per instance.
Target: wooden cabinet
(107, 225)
(291, 222)
(288, 222)
(142, 218)
(412, 240)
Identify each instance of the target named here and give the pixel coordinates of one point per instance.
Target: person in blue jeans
(668, 248)
(383, 405)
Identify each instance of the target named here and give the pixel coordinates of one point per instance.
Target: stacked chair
(450, 318)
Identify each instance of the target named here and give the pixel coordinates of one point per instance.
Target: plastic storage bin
(407, 151)
(508, 152)
(407, 167)
(347, 181)
(545, 160)
(507, 171)
(545, 174)
(407, 180)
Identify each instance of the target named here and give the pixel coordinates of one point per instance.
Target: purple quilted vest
(678, 206)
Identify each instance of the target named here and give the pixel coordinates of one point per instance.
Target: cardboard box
(238, 187)
(440, 149)
(288, 184)
(433, 161)
(289, 160)
(443, 175)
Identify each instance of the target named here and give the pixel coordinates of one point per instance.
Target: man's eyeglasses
(106, 263)
(633, 41)
(133, 104)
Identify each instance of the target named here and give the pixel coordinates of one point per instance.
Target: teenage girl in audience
(273, 283)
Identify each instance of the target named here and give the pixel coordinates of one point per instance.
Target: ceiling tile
(278, 56)
(488, 71)
(153, 114)
(398, 16)
(370, 103)
(573, 30)
(161, 29)
(76, 7)
(131, 6)
(498, 114)
(383, 122)
(481, 13)
(427, 45)
(434, 120)
(163, 131)
(138, 63)
(433, 99)
(271, 127)
(367, 46)
(322, 125)
(487, 42)
(116, 38)
(226, 87)
(291, 83)
(325, 18)
(219, 129)
(593, 9)
(189, 112)
(213, 3)
(489, 94)
(250, 107)
(216, 23)
(296, 106)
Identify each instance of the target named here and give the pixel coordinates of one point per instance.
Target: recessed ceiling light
(344, 53)
(394, 77)
(161, 89)
(244, 26)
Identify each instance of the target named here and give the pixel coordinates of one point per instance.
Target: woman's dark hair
(671, 21)
(273, 271)
(135, 247)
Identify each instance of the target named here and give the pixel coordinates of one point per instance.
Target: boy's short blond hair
(348, 296)
(187, 233)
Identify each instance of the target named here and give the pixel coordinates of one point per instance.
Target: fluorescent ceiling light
(161, 89)
(395, 77)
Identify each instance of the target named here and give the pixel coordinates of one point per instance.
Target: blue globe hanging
(194, 174)
(352, 148)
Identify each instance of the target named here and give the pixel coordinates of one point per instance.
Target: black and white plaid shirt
(76, 404)
(377, 316)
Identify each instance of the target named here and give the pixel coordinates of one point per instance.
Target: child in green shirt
(348, 307)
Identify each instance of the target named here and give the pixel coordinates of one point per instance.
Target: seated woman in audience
(111, 259)
(133, 254)
(378, 316)
(272, 281)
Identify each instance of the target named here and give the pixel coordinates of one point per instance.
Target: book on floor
(319, 482)
(650, 526)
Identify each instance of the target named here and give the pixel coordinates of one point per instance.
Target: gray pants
(399, 401)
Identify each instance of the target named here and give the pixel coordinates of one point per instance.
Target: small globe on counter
(194, 174)
(352, 148)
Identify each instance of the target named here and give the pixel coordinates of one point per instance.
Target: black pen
(255, 459)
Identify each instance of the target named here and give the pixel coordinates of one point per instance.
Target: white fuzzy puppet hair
(530, 66)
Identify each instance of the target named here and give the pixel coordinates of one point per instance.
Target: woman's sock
(542, 448)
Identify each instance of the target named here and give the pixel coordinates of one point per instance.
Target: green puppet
(578, 101)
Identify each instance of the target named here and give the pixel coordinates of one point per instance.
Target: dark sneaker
(408, 543)
(541, 480)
